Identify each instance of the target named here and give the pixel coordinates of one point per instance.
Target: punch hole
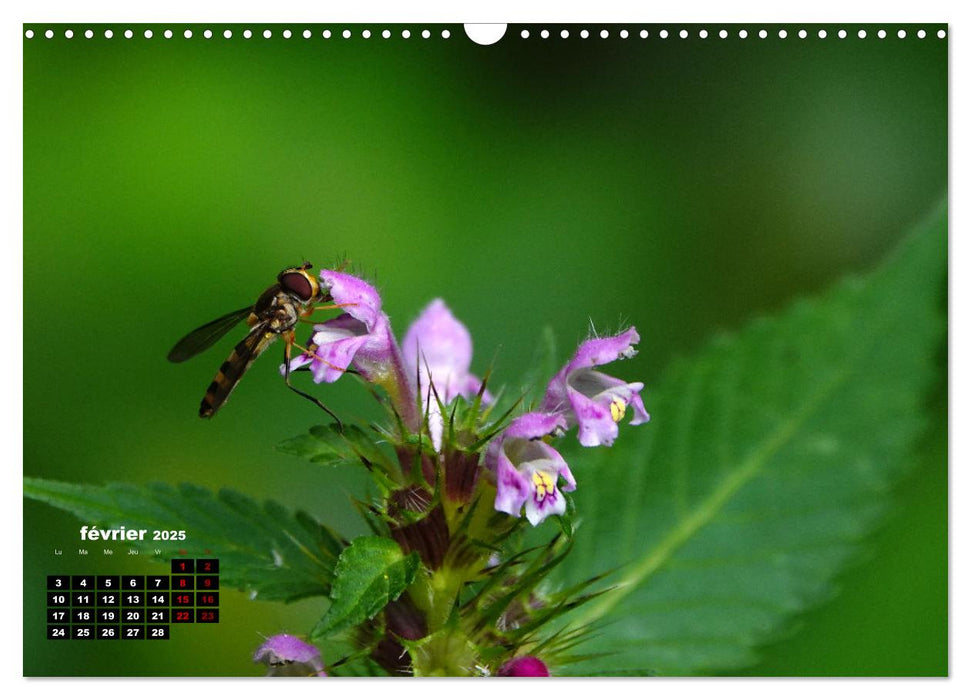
(109, 33)
(485, 34)
(941, 34)
(167, 34)
(88, 34)
(426, 34)
(623, 34)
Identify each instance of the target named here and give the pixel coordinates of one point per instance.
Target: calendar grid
(130, 606)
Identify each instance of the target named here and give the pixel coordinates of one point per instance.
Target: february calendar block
(131, 606)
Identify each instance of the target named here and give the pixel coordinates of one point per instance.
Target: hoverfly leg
(286, 376)
(308, 351)
(325, 307)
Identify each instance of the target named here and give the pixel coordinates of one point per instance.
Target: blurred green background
(681, 185)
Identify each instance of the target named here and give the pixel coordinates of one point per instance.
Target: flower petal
(538, 509)
(438, 339)
(512, 488)
(359, 298)
(603, 351)
(286, 655)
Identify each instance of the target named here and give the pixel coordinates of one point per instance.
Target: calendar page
(542, 349)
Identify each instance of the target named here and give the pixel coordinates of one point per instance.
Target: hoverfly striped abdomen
(232, 370)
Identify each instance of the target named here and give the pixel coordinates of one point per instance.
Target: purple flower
(286, 655)
(592, 400)
(439, 346)
(524, 666)
(360, 337)
(438, 349)
(527, 469)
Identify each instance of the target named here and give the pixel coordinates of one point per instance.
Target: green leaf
(769, 457)
(328, 444)
(371, 572)
(264, 550)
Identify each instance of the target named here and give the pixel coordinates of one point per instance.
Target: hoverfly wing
(235, 366)
(204, 337)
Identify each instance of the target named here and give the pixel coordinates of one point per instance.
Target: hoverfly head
(299, 282)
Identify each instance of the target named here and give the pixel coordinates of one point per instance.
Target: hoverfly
(296, 295)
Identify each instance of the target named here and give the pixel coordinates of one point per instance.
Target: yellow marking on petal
(544, 484)
(618, 407)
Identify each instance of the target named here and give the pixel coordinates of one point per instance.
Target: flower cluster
(451, 454)
(435, 365)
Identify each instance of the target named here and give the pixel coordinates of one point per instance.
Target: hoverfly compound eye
(299, 283)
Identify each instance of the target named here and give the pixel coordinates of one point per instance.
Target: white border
(603, 11)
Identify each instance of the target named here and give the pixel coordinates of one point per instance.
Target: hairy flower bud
(437, 349)
(524, 666)
(428, 536)
(461, 475)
